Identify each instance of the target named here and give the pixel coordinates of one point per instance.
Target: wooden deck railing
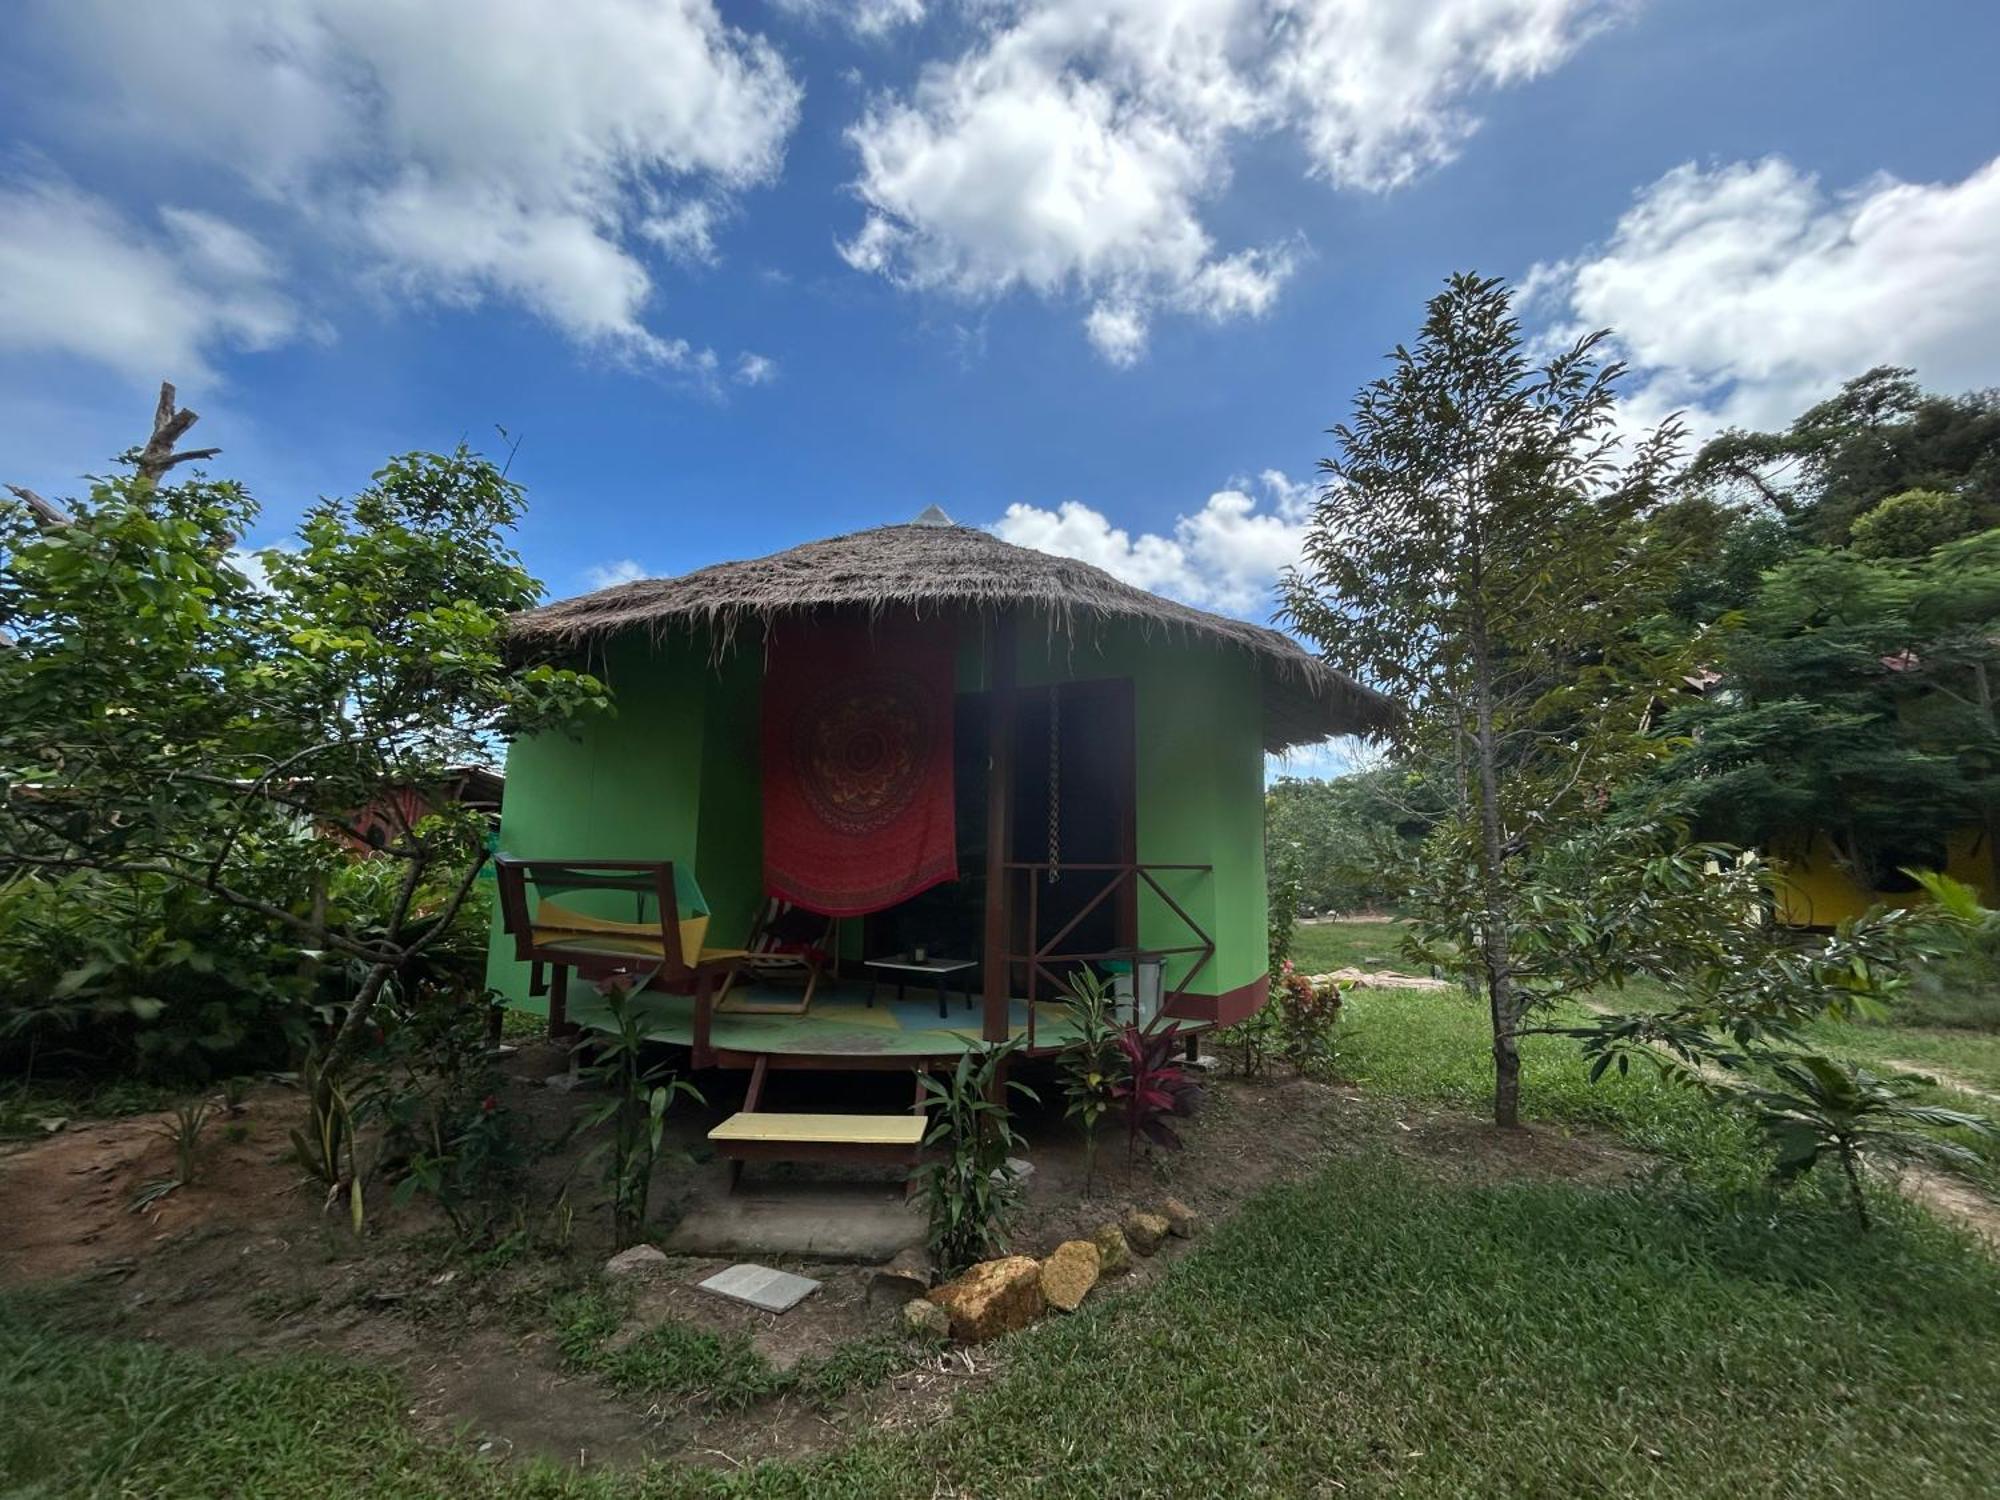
(1124, 881)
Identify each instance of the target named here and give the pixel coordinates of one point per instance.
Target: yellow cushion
(559, 927)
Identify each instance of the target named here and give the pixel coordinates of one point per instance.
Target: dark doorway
(1089, 747)
(1073, 806)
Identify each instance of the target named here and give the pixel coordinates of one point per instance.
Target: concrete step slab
(851, 1222)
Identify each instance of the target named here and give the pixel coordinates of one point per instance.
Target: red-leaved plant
(1155, 1090)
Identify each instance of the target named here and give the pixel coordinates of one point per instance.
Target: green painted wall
(729, 850)
(674, 774)
(629, 785)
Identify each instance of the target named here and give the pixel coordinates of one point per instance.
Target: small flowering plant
(1307, 1011)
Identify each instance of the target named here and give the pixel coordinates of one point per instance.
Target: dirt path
(1945, 1078)
(1379, 979)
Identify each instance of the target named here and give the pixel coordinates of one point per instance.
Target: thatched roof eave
(934, 569)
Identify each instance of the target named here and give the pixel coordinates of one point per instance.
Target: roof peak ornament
(933, 516)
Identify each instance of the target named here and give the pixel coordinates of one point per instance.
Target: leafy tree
(1881, 435)
(1341, 842)
(1853, 697)
(1911, 524)
(171, 718)
(1473, 554)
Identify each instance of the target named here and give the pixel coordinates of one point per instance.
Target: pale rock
(1114, 1255)
(994, 1297)
(1182, 1220)
(1069, 1273)
(640, 1260)
(926, 1319)
(907, 1275)
(1144, 1232)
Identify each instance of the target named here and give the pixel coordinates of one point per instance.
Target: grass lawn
(1320, 946)
(1371, 1330)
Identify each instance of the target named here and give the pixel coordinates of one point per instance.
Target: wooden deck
(841, 1030)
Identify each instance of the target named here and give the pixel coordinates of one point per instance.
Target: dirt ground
(250, 1260)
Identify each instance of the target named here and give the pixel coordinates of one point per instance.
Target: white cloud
(1342, 755)
(1117, 330)
(1746, 291)
(686, 231)
(474, 148)
(755, 369)
(77, 278)
(1379, 93)
(868, 18)
(1227, 555)
(1071, 148)
(624, 570)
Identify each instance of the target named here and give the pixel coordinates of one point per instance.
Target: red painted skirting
(1227, 1008)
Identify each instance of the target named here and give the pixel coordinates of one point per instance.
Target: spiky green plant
(1827, 1110)
(1090, 1063)
(966, 1183)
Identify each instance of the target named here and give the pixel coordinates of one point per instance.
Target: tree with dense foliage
(1338, 842)
(1853, 696)
(1880, 435)
(1473, 555)
(171, 718)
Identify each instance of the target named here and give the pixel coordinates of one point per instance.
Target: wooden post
(560, 1025)
(702, 1054)
(999, 821)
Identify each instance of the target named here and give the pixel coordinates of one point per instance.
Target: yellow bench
(821, 1130)
(863, 1140)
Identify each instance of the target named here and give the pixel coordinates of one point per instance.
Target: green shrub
(140, 977)
(1959, 987)
(1911, 524)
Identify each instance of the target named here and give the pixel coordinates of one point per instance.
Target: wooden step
(770, 1128)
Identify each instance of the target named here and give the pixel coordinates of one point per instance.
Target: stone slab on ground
(762, 1287)
(817, 1221)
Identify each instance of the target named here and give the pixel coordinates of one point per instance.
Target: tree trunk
(349, 1036)
(1495, 938)
(1855, 1195)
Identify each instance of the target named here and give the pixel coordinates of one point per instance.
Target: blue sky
(1098, 273)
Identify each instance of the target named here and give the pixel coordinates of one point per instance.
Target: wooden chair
(661, 940)
(786, 942)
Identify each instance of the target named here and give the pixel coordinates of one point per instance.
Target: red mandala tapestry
(857, 764)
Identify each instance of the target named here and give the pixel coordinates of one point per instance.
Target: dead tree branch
(170, 425)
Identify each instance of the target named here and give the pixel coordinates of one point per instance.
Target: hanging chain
(1055, 785)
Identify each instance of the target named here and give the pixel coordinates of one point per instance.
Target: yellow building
(1819, 889)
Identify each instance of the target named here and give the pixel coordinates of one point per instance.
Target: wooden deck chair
(639, 921)
(787, 942)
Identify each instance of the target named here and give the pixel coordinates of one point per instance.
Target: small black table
(903, 966)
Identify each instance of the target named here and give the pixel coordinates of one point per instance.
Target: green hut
(932, 772)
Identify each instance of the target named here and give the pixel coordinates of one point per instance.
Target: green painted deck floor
(841, 1022)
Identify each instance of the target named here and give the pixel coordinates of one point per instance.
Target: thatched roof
(932, 567)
